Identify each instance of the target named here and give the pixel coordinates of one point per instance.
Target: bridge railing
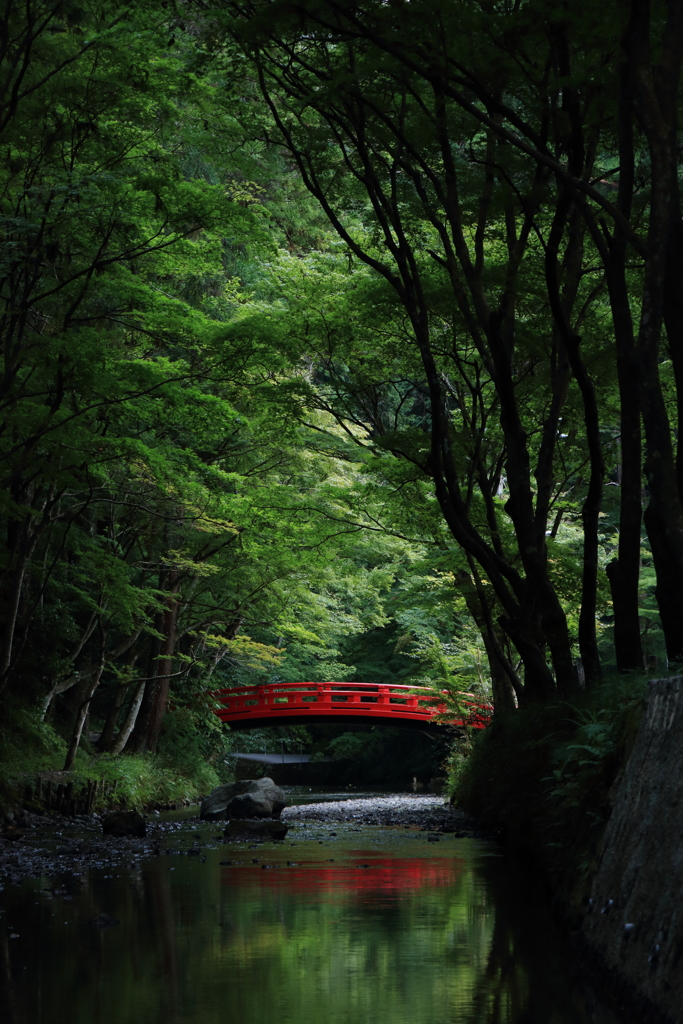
(332, 698)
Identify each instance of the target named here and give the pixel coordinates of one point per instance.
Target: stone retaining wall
(634, 924)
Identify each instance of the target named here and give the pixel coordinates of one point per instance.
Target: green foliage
(26, 744)
(224, 339)
(182, 771)
(471, 279)
(192, 746)
(145, 780)
(159, 489)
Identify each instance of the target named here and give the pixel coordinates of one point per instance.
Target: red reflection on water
(388, 876)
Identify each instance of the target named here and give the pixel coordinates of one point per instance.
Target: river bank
(592, 800)
(36, 846)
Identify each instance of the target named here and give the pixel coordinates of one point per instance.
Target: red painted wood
(364, 700)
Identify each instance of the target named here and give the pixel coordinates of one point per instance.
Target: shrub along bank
(189, 763)
(545, 777)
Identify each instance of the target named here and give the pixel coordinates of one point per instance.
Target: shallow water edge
(341, 922)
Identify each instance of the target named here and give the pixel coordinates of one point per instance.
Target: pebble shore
(429, 813)
(35, 846)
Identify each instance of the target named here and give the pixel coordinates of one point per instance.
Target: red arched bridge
(297, 703)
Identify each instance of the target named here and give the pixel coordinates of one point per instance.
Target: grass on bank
(182, 771)
(545, 776)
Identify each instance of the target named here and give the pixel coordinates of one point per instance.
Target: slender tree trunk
(22, 541)
(10, 623)
(60, 685)
(502, 673)
(163, 680)
(562, 280)
(130, 720)
(588, 642)
(534, 616)
(135, 743)
(540, 619)
(82, 712)
(109, 730)
(623, 571)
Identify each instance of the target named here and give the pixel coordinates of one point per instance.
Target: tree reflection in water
(530, 974)
(391, 936)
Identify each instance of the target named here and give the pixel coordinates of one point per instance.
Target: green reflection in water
(412, 937)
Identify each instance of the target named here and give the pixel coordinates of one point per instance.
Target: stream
(341, 923)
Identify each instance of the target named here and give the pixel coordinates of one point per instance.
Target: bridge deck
(343, 701)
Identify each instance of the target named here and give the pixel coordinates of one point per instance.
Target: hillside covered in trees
(341, 340)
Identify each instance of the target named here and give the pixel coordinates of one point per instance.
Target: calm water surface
(375, 925)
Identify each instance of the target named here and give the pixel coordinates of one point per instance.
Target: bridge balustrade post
(240, 704)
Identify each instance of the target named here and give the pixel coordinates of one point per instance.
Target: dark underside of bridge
(391, 721)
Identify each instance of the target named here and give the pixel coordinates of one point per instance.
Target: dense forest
(341, 340)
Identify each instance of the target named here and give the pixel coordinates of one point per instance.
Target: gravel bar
(429, 813)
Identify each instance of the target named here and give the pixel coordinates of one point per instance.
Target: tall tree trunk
(533, 616)
(588, 640)
(655, 100)
(623, 571)
(163, 680)
(563, 277)
(148, 725)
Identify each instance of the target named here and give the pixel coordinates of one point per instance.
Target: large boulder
(124, 823)
(252, 798)
(256, 828)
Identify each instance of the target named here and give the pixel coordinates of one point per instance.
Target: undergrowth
(186, 767)
(544, 776)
